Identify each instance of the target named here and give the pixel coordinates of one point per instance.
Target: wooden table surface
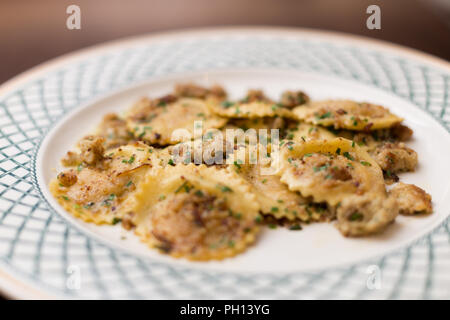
(32, 32)
(35, 31)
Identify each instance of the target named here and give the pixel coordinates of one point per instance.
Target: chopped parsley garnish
(80, 167)
(338, 151)
(325, 115)
(295, 227)
(274, 209)
(116, 220)
(171, 162)
(184, 186)
(365, 163)
(308, 211)
(272, 226)
(129, 161)
(264, 181)
(224, 188)
(289, 146)
(129, 183)
(65, 198)
(321, 168)
(144, 130)
(306, 155)
(348, 156)
(88, 205)
(227, 104)
(198, 193)
(356, 216)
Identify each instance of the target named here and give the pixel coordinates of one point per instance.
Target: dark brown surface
(35, 31)
(32, 32)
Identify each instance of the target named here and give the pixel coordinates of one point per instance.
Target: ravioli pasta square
(347, 114)
(196, 212)
(157, 122)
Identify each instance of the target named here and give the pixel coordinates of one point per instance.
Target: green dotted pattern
(38, 245)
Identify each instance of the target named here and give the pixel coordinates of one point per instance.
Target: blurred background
(32, 32)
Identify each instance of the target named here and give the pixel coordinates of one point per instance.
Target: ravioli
(254, 105)
(328, 170)
(347, 114)
(156, 122)
(277, 200)
(249, 110)
(96, 193)
(304, 131)
(341, 174)
(258, 123)
(192, 90)
(195, 212)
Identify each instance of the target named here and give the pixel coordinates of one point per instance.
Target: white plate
(44, 247)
